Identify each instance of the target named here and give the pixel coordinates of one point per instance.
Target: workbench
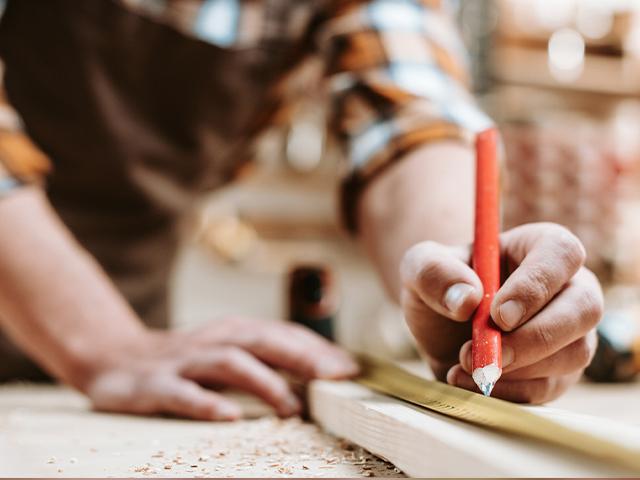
(50, 431)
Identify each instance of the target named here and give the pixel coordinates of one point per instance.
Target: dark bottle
(313, 298)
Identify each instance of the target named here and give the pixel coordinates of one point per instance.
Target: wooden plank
(424, 444)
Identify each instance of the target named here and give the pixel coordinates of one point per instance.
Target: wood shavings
(285, 470)
(266, 446)
(146, 469)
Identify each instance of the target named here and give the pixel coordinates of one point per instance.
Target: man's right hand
(175, 372)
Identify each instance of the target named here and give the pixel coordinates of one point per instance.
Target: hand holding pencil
(536, 334)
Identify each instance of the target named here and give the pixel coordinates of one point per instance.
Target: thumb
(441, 278)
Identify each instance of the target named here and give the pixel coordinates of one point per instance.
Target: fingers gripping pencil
(486, 347)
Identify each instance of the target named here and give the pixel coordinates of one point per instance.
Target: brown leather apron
(137, 119)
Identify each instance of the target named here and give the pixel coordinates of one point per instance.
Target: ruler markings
(490, 412)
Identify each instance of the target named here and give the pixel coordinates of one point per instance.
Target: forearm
(426, 196)
(55, 301)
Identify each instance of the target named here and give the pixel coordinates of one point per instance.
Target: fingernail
(229, 412)
(511, 313)
(336, 369)
(456, 296)
(292, 405)
(508, 356)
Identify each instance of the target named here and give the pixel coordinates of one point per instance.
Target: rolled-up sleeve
(397, 74)
(21, 162)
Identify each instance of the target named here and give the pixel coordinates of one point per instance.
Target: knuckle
(173, 399)
(275, 340)
(590, 307)
(543, 340)
(430, 274)
(535, 288)
(158, 394)
(416, 259)
(569, 247)
(151, 385)
(232, 356)
(582, 353)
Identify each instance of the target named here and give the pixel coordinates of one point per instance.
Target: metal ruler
(490, 413)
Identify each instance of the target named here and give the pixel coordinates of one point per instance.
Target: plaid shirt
(395, 71)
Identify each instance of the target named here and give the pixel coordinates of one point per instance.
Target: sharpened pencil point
(486, 388)
(486, 377)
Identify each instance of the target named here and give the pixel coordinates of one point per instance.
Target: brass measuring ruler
(489, 412)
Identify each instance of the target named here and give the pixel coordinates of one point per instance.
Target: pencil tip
(486, 388)
(486, 378)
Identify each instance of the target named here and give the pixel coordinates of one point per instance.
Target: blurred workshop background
(562, 78)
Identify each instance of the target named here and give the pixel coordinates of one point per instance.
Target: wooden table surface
(49, 431)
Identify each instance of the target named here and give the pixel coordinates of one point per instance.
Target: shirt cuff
(21, 162)
(394, 149)
(385, 142)
(8, 184)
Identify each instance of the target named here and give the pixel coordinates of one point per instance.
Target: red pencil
(486, 346)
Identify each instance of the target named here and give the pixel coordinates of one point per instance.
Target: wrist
(426, 195)
(91, 359)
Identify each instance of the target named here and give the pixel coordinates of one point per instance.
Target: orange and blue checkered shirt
(395, 72)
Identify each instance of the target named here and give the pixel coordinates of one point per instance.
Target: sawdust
(269, 447)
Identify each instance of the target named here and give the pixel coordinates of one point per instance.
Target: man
(140, 105)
